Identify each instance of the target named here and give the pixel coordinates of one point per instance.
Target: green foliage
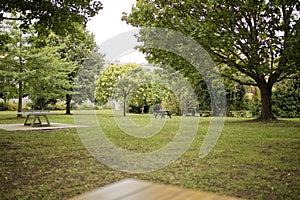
(3, 106)
(45, 15)
(12, 106)
(39, 72)
(111, 82)
(80, 49)
(86, 77)
(60, 105)
(255, 105)
(286, 98)
(235, 96)
(254, 42)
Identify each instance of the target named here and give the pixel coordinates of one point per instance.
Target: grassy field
(251, 160)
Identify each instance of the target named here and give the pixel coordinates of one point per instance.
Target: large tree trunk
(266, 101)
(20, 104)
(68, 104)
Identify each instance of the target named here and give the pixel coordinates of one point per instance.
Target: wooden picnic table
(162, 113)
(36, 120)
(132, 189)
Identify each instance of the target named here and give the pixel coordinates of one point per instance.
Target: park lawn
(251, 160)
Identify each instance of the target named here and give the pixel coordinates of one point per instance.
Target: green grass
(251, 160)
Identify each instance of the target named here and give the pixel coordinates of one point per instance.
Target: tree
(80, 47)
(38, 70)
(86, 77)
(117, 81)
(254, 42)
(58, 16)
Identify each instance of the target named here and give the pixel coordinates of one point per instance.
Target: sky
(108, 23)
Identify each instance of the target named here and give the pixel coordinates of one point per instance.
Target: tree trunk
(124, 107)
(68, 104)
(266, 102)
(143, 107)
(20, 104)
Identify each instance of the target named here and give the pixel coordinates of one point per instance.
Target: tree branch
(239, 81)
(12, 18)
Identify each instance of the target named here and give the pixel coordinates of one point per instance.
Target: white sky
(108, 23)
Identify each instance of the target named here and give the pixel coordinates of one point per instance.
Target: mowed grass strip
(250, 160)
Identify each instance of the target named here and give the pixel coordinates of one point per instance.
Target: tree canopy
(80, 49)
(114, 82)
(254, 42)
(58, 16)
(27, 69)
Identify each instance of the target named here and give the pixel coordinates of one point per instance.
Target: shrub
(286, 98)
(3, 106)
(88, 105)
(12, 106)
(60, 105)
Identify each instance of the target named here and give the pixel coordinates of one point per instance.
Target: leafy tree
(58, 16)
(39, 71)
(235, 96)
(80, 48)
(141, 98)
(254, 42)
(87, 76)
(114, 82)
(127, 83)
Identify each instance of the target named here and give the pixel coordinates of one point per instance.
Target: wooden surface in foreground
(131, 189)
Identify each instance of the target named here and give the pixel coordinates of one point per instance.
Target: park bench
(36, 115)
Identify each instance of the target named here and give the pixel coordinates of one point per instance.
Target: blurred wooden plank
(115, 190)
(131, 189)
(199, 195)
(153, 192)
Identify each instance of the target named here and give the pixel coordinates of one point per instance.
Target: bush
(255, 106)
(286, 98)
(107, 106)
(12, 106)
(3, 106)
(60, 105)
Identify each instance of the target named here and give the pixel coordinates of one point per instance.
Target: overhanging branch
(239, 81)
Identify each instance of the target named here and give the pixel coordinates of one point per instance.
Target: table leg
(168, 113)
(25, 122)
(163, 114)
(34, 119)
(47, 120)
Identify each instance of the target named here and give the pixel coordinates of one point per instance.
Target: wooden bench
(132, 189)
(36, 120)
(162, 113)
